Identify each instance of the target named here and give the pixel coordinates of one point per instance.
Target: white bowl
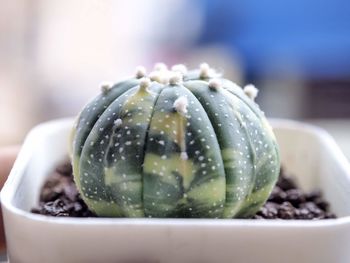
(307, 152)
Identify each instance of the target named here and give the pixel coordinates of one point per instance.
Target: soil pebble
(288, 201)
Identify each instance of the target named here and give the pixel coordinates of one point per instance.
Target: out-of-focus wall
(54, 54)
(17, 103)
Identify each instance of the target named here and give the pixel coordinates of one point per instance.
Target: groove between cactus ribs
(145, 144)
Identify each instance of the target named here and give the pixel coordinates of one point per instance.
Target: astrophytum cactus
(174, 143)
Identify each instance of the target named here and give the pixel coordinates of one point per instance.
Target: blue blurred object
(311, 36)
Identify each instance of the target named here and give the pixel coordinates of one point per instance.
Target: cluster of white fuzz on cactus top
(163, 75)
(175, 76)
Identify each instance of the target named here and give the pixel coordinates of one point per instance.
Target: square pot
(307, 152)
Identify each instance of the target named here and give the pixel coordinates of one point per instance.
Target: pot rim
(34, 135)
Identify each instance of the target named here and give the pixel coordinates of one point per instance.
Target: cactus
(175, 143)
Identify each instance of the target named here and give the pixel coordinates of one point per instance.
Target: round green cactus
(174, 144)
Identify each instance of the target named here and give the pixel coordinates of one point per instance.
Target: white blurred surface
(339, 129)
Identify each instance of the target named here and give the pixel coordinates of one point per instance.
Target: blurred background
(54, 54)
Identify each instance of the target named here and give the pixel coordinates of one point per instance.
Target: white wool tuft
(118, 122)
(140, 72)
(105, 87)
(144, 83)
(175, 78)
(160, 76)
(155, 76)
(164, 79)
(184, 156)
(251, 91)
(179, 68)
(204, 66)
(215, 84)
(204, 70)
(160, 66)
(180, 105)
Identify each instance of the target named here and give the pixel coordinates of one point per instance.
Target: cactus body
(187, 144)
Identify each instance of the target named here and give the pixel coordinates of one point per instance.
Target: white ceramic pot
(307, 152)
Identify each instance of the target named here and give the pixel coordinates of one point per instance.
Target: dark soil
(288, 201)
(59, 197)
